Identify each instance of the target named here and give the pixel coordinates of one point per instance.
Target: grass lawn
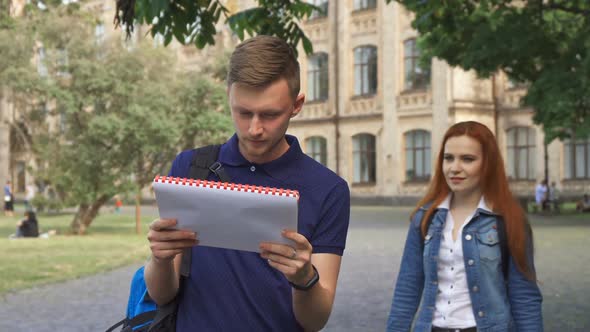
(111, 242)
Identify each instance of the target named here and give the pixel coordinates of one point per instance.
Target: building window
(520, 144)
(128, 43)
(62, 122)
(513, 84)
(99, 33)
(316, 148)
(418, 158)
(62, 62)
(317, 77)
(41, 66)
(20, 177)
(158, 40)
(415, 77)
(364, 4)
(365, 70)
(577, 159)
(323, 5)
(363, 150)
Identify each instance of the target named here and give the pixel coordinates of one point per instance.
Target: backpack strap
(204, 161)
(121, 322)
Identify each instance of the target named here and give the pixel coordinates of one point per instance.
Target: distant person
(118, 204)
(27, 227)
(8, 200)
(554, 197)
(584, 204)
(30, 194)
(452, 275)
(541, 195)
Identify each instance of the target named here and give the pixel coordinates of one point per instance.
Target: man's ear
(298, 105)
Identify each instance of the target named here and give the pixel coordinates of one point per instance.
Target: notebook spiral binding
(227, 186)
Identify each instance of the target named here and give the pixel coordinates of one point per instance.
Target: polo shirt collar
(279, 168)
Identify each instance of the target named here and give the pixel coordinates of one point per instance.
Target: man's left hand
(293, 261)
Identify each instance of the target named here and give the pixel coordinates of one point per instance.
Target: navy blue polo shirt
(231, 290)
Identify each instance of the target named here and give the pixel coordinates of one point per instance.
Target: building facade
(373, 113)
(377, 117)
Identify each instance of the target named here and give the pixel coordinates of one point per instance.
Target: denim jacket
(498, 305)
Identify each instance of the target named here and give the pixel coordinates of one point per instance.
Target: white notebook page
(224, 218)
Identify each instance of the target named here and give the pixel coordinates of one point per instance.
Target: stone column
(442, 76)
(5, 115)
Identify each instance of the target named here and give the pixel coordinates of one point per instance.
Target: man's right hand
(166, 242)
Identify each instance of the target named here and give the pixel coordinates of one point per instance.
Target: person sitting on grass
(28, 227)
(584, 204)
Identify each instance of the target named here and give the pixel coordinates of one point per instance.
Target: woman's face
(462, 163)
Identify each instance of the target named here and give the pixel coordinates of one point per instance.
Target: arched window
(323, 4)
(577, 159)
(418, 156)
(520, 145)
(363, 153)
(365, 70)
(317, 77)
(415, 77)
(315, 147)
(364, 4)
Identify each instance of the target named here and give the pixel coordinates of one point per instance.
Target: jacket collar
(481, 206)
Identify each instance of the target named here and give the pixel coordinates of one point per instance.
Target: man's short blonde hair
(262, 60)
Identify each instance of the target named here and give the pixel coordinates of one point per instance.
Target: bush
(42, 203)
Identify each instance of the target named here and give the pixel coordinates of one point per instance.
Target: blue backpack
(143, 315)
(141, 310)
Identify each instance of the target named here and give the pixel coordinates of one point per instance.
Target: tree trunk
(86, 214)
(138, 212)
(77, 224)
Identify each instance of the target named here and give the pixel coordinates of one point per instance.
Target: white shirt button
(475, 289)
(480, 314)
(252, 168)
(468, 237)
(470, 262)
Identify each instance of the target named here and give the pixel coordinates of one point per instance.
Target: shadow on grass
(104, 224)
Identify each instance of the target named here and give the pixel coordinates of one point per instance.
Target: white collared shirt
(453, 304)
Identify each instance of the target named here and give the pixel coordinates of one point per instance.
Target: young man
(231, 290)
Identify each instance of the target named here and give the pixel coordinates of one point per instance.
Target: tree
(545, 44)
(120, 114)
(193, 22)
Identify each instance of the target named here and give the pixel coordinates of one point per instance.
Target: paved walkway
(87, 304)
(363, 298)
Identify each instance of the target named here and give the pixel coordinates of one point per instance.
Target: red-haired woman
(468, 259)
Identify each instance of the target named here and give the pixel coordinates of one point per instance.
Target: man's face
(261, 117)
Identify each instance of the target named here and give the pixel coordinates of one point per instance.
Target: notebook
(227, 215)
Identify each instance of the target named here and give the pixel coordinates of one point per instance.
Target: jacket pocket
(488, 244)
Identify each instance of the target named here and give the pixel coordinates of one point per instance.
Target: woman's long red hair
(494, 187)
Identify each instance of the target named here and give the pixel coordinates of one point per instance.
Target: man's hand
(167, 242)
(293, 261)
